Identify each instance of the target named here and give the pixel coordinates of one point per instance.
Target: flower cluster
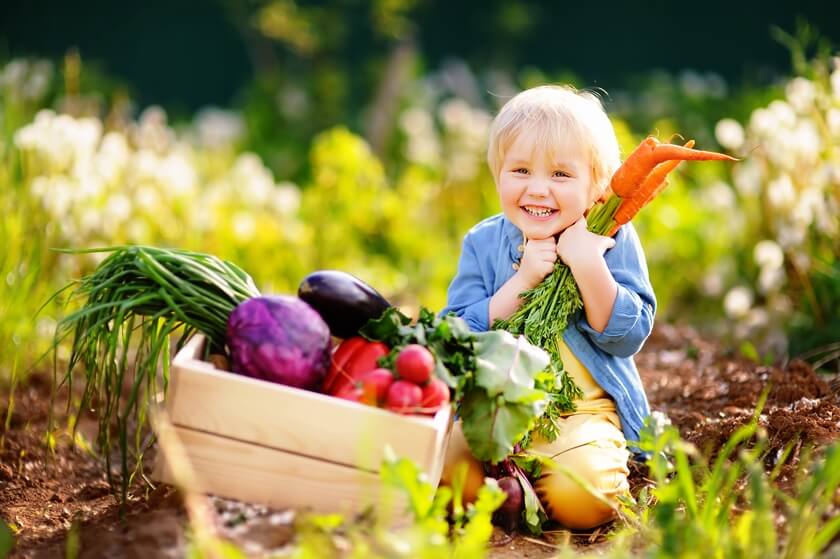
(789, 191)
(145, 184)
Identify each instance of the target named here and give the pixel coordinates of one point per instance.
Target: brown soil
(707, 396)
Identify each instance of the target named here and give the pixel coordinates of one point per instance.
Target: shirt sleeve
(631, 320)
(467, 296)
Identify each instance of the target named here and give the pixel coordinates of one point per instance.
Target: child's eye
(520, 170)
(561, 174)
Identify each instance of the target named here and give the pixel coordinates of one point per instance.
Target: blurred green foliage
(280, 186)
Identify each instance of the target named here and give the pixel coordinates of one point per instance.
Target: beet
(279, 339)
(507, 516)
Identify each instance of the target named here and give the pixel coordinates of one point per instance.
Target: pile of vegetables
(139, 295)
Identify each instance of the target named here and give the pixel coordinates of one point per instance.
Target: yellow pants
(591, 446)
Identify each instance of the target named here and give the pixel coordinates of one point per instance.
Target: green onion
(131, 304)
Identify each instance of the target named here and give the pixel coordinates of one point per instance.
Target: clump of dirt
(708, 396)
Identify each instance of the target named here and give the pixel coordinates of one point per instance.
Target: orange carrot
(641, 162)
(653, 184)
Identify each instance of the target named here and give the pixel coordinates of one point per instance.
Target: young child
(552, 152)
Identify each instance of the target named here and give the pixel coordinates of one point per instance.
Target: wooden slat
(304, 422)
(257, 474)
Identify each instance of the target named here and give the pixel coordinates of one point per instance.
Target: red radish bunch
(414, 388)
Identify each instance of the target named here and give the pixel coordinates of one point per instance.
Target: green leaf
(531, 464)
(7, 539)
(472, 540)
(491, 425)
(508, 365)
(534, 513)
(387, 328)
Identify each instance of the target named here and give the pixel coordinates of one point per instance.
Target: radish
(415, 363)
(435, 396)
(375, 385)
(403, 397)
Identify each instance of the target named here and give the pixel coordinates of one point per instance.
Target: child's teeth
(541, 212)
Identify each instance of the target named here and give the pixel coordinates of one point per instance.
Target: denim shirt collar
(515, 236)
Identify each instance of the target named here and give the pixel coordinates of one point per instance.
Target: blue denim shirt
(488, 254)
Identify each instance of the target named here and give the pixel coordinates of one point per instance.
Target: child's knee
(589, 496)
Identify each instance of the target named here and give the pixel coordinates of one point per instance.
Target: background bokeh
(289, 136)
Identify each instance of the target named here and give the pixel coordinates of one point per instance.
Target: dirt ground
(706, 394)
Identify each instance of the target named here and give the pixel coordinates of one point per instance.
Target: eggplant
(345, 302)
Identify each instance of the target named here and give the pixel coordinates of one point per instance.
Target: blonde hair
(558, 114)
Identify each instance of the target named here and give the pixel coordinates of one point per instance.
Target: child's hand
(577, 244)
(537, 261)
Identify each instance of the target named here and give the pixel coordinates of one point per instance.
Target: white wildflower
(784, 114)
(801, 94)
(770, 279)
(790, 237)
(424, 150)
(89, 221)
(832, 118)
(719, 196)
(147, 198)
(757, 318)
(118, 207)
(463, 166)
(763, 122)
(729, 133)
(738, 301)
(416, 121)
(748, 177)
(455, 113)
(244, 226)
(768, 254)
(286, 199)
(805, 142)
(177, 175)
(835, 83)
(781, 192)
(712, 284)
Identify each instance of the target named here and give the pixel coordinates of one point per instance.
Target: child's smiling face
(543, 193)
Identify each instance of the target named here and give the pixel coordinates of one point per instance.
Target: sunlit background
(289, 136)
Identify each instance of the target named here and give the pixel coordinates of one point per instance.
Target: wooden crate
(262, 442)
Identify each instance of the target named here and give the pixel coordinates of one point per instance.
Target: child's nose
(538, 186)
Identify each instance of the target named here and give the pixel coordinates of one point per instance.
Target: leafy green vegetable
(493, 374)
(448, 338)
(132, 302)
(492, 426)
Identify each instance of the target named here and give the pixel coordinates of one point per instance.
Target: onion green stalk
(132, 302)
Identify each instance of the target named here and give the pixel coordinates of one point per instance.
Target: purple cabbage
(279, 339)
